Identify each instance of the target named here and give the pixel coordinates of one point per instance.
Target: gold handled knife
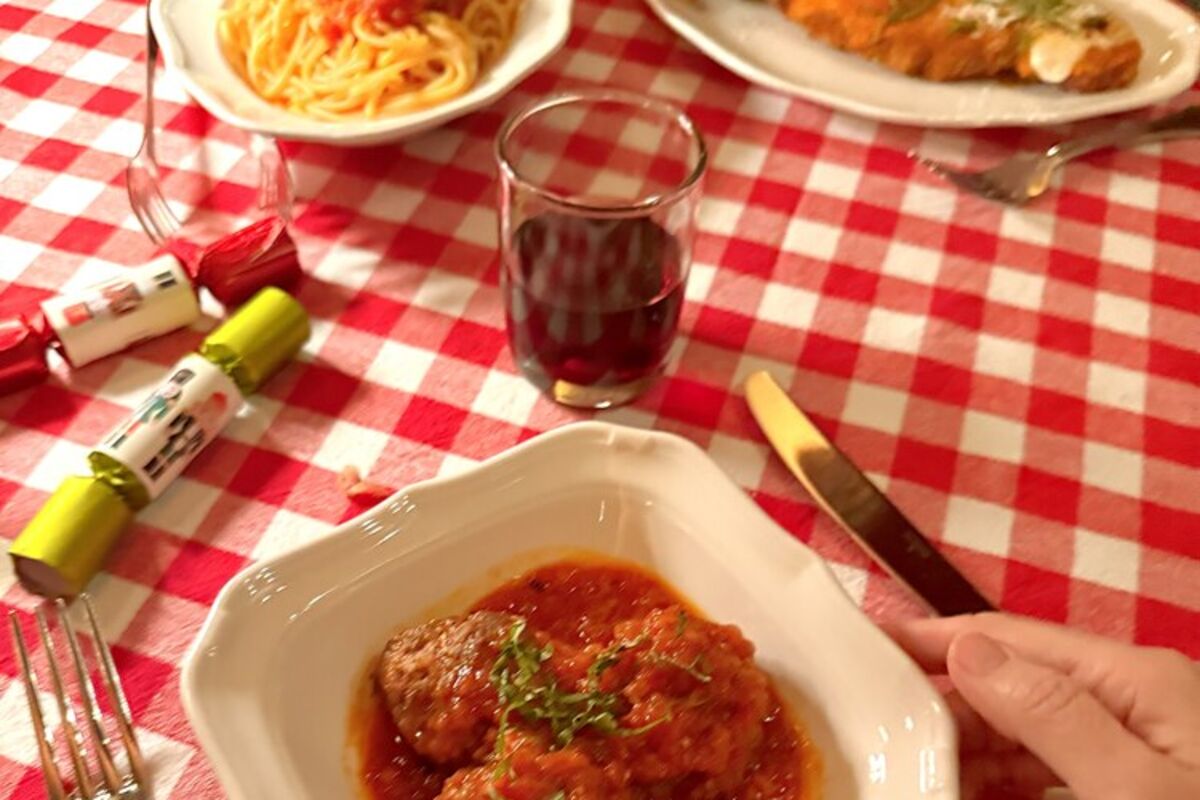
(845, 494)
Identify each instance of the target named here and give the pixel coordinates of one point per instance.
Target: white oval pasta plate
(271, 677)
(187, 33)
(754, 40)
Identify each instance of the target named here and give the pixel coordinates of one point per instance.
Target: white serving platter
(753, 39)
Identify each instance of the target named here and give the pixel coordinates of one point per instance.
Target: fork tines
(112, 781)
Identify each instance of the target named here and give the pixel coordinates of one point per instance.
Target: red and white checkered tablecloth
(1023, 383)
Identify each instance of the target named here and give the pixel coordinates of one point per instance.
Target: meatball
(534, 772)
(435, 679)
(693, 687)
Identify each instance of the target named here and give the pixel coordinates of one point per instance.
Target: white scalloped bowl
(272, 675)
(187, 32)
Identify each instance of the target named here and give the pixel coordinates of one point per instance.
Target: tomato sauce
(398, 13)
(584, 606)
(579, 603)
(389, 768)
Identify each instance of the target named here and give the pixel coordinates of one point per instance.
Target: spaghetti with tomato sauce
(338, 59)
(578, 681)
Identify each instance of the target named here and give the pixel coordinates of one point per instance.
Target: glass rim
(647, 203)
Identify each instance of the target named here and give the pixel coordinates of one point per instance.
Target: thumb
(1051, 715)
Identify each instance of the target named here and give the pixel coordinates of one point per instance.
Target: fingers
(1049, 713)
(994, 767)
(1167, 707)
(974, 734)
(1137, 698)
(1007, 776)
(1107, 668)
(928, 640)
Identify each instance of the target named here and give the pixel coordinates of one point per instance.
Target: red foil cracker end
(22, 354)
(236, 266)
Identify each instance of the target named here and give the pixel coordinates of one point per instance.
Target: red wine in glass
(592, 302)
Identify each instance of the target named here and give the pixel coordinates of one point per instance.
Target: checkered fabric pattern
(1023, 383)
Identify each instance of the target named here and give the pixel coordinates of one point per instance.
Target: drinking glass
(598, 198)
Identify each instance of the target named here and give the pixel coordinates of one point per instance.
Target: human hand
(1040, 706)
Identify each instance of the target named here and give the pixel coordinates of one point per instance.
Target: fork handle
(151, 67)
(1180, 125)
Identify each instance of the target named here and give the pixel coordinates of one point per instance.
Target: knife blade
(845, 494)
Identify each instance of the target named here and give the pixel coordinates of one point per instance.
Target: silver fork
(1028, 175)
(113, 783)
(142, 173)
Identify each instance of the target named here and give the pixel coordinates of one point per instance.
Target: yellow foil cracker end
(67, 541)
(120, 478)
(259, 339)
